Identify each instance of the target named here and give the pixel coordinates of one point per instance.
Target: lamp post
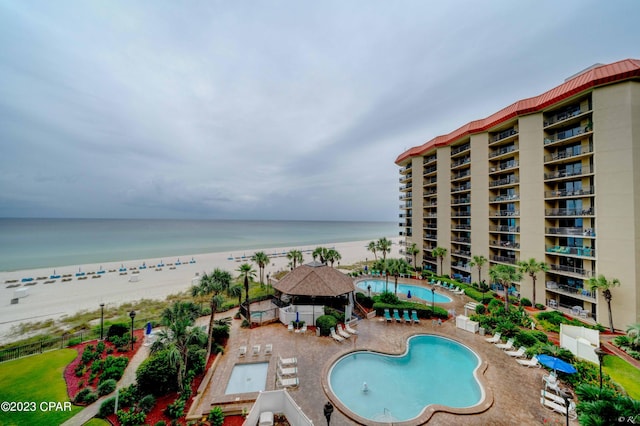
(433, 298)
(132, 314)
(101, 320)
(600, 354)
(328, 410)
(268, 282)
(566, 398)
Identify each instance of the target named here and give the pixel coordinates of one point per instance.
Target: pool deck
(512, 391)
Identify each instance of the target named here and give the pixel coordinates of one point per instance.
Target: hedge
(423, 311)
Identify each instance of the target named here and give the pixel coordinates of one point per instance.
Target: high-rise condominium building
(555, 178)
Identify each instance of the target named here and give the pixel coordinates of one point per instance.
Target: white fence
(306, 313)
(277, 402)
(580, 341)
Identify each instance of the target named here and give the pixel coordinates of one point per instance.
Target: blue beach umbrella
(148, 331)
(409, 294)
(556, 364)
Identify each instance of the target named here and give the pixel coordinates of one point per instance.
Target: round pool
(390, 388)
(378, 286)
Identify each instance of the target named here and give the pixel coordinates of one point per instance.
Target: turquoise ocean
(42, 243)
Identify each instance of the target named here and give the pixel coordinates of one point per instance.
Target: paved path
(128, 378)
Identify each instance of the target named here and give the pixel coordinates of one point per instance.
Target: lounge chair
(494, 339)
(302, 329)
(505, 346)
(396, 315)
(387, 316)
(256, 350)
(349, 329)
(459, 291)
(341, 332)
(287, 371)
(533, 362)
(405, 316)
(285, 362)
(552, 396)
(414, 317)
(559, 408)
(268, 349)
(517, 354)
(335, 336)
(551, 382)
(290, 327)
(242, 350)
(286, 383)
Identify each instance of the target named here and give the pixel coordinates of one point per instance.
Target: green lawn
(37, 379)
(623, 373)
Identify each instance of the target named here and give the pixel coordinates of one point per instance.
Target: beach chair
(268, 349)
(290, 327)
(335, 336)
(396, 315)
(494, 339)
(242, 350)
(341, 332)
(459, 291)
(302, 329)
(559, 408)
(287, 371)
(517, 354)
(405, 316)
(387, 316)
(256, 350)
(533, 362)
(286, 362)
(414, 317)
(286, 382)
(505, 346)
(349, 329)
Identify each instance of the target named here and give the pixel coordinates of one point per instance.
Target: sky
(282, 109)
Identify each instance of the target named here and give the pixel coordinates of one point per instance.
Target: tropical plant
(373, 248)
(384, 246)
(236, 291)
(604, 407)
(532, 267)
(633, 334)
(397, 267)
(479, 262)
(212, 285)
(320, 252)
(413, 251)
(332, 256)
(383, 266)
(505, 275)
(261, 259)
(440, 253)
(602, 283)
(246, 272)
(296, 257)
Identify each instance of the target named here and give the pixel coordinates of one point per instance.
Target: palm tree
(384, 246)
(397, 267)
(236, 291)
(383, 265)
(261, 259)
(413, 251)
(320, 252)
(505, 275)
(372, 247)
(440, 253)
(332, 255)
(247, 272)
(210, 286)
(178, 334)
(223, 278)
(633, 333)
(478, 261)
(532, 267)
(602, 283)
(295, 256)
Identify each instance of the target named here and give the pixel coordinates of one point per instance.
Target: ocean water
(41, 243)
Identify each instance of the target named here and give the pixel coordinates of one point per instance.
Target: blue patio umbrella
(556, 364)
(409, 294)
(297, 316)
(148, 331)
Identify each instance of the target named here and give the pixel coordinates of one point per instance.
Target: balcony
(460, 227)
(463, 240)
(504, 135)
(433, 237)
(431, 180)
(460, 162)
(430, 225)
(430, 191)
(505, 166)
(461, 213)
(572, 251)
(504, 244)
(403, 215)
(405, 168)
(504, 198)
(564, 116)
(565, 193)
(503, 228)
(569, 212)
(582, 273)
(405, 196)
(429, 170)
(465, 253)
(504, 259)
(503, 213)
(405, 234)
(459, 149)
(567, 134)
(579, 292)
(462, 174)
(406, 187)
(509, 180)
(568, 153)
(561, 174)
(463, 187)
(585, 232)
(462, 266)
(430, 159)
(460, 200)
(405, 178)
(503, 151)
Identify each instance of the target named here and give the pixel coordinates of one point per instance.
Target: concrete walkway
(128, 378)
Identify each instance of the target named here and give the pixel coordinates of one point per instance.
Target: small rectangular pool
(247, 378)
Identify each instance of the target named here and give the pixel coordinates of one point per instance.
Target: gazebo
(311, 286)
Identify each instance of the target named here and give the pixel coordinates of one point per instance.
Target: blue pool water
(377, 286)
(247, 378)
(434, 370)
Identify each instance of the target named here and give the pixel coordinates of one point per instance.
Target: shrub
(128, 396)
(74, 341)
(161, 423)
(107, 407)
(114, 368)
(339, 316)
(80, 370)
(100, 347)
(85, 396)
(97, 365)
(526, 302)
(131, 417)
(540, 306)
(88, 354)
(324, 323)
(529, 338)
(175, 410)
(106, 387)
(494, 304)
(117, 330)
(622, 341)
(196, 358)
(480, 309)
(216, 416)
(388, 298)
(364, 300)
(220, 332)
(156, 375)
(146, 404)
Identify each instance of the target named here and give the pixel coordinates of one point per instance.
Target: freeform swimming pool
(377, 286)
(433, 370)
(247, 378)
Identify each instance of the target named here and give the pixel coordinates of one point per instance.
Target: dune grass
(623, 373)
(37, 379)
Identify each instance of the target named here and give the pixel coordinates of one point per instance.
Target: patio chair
(286, 382)
(287, 371)
(256, 350)
(405, 316)
(552, 397)
(494, 339)
(341, 332)
(303, 330)
(290, 327)
(396, 315)
(414, 317)
(517, 354)
(348, 328)
(285, 362)
(387, 316)
(242, 350)
(335, 336)
(559, 408)
(268, 349)
(459, 291)
(533, 362)
(505, 346)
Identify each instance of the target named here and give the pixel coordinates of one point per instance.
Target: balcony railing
(406, 168)
(430, 169)
(504, 259)
(562, 116)
(463, 187)
(465, 253)
(405, 196)
(430, 225)
(461, 162)
(431, 180)
(430, 191)
(503, 135)
(565, 193)
(585, 170)
(405, 178)
(499, 198)
(460, 148)
(463, 240)
(502, 151)
(570, 269)
(568, 153)
(460, 226)
(461, 174)
(403, 215)
(566, 134)
(505, 244)
(462, 266)
(506, 213)
(586, 232)
(503, 228)
(506, 166)
(430, 159)
(462, 200)
(504, 181)
(462, 213)
(575, 251)
(405, 187)
(431, 236)
(561, 288)
(569, 212)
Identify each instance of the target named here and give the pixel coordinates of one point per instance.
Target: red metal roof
(598, 76)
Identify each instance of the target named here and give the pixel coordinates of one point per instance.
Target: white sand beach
(51, 300)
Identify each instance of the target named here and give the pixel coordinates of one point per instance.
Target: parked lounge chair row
(508, 349)
(287, 373)
(343, 332)
(405, 316)
(255, 351)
